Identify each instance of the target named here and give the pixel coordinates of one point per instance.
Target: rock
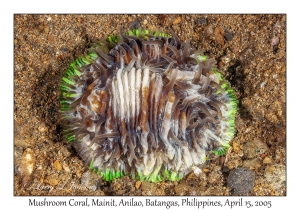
(241, 180)
(66, 167)
(274, 41)
(215, 177)
(27, 163)
(53, 181)
(225, 169)
(205, 170)
(197, 171)
(150, 189)
(254, 148)
(90, 180)
(162, 18)
(18, 151)
(220, 64)
(182, 189)
(267, 160)
(43, 128)
(46, 29)
(276, 176)
(236, 147)
(177, 20)
(201, 21)
(228, 35)
(253, 163)
(219, 35)
(209, 31)
(255, 111)
(138, 184)
(65, 152)
(240, 153)
(57, 165)
(135, 24)
(121, 192)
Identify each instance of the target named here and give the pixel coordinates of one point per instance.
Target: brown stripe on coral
(88, 92)
(151, 100)
(182, 123)
(144, 107)
(117, 57)
(99, 101)
(102, 70)
(156, 106)
(167, 88)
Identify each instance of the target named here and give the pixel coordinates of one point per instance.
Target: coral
(145, 105)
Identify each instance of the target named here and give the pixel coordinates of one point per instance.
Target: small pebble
(138, 184)
(65, 152)
(66, 167)
(254, 148)
(253, 163)
(57, 165)
(177, 20)
(225, 169)
(162, 18)
(267, 160)
(276, 176)
(220, 65)
(43, 128)
(18, 151)
(197, 170)
(27, 163)
(219, 34)
(236, 147)
(240, 153)
(46, 29)
(53, 182)
(145, 22)
(274, 41)
(205, 170)
(228, 35)
(201, 21)
(135, 24)
(209, 31)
